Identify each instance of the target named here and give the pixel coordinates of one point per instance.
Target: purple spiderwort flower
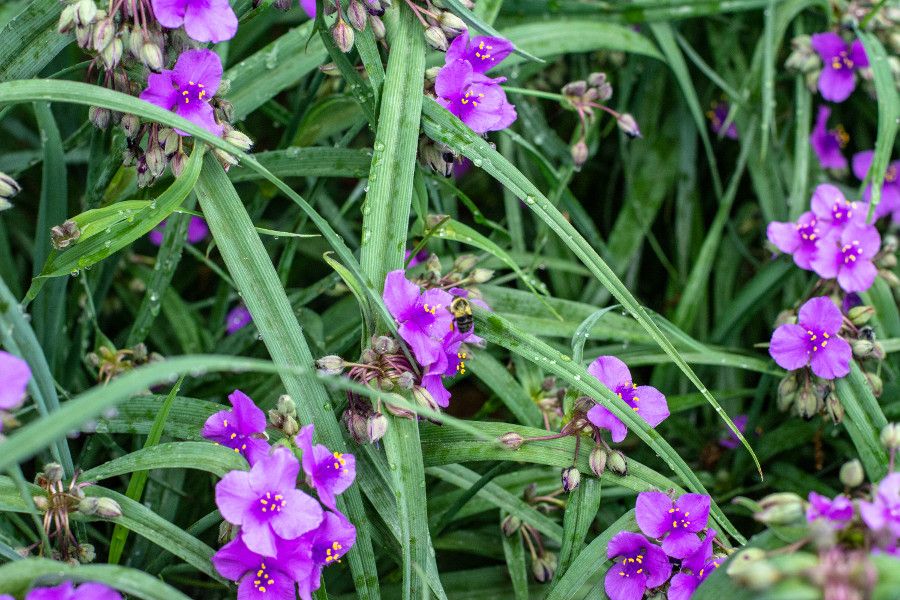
(203, 20)
(266, 503)
(237, 428)
(643, 566)
(423, 316)
(884, 510)
(828, 144)
(837, 512)
(450, 362)
(814, 341)
(841, 61)
(849, 257)
(730, 440)
(477, 100)
(330, 473)
(265, 577)
(188, 88)
(331, 541)
(717, 117)
(16, 375)
(832, 209)
(701, 564)
(647, 401)
(420, 257)
(482, 52)
(658, 515)
(237, 318)
(197, 231)
(800, 239)
(890, 189)
(67, 591)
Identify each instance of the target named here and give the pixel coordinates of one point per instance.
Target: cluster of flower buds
(56, 503)
(803, 60)
(110, 363)
(464, 273)
(8, 188)
(356, 16)
(441, 26)
(284, 416)
(543, 561)
(583, 96)
(63, 236)
(882, 19)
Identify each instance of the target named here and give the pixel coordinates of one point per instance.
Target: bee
(462, 314)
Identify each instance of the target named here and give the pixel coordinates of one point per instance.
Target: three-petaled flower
(643, 566)
(695, 569)
(265, 577)
(66, 590)
(679, 521)
(840, 63)
(239, 427)
(800, 240)
(883, 512)
(188, 88)
(813, 341)
(476, 99)
(330, 542)
(849, 257)
(422, 316)
(330, 473)
(482, 52)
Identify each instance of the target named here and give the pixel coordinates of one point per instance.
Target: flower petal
(857, 277)
(300, 514)
(784, 236)
(234, 559)
(821, 313)
(619, 587)
(833, 361)
(160, 90)
(695, 508)
(92, 590)
(249, 418)
(200, 67)
(235, 497)
(169, 13)
(603, 418)
(210, 21)
(681, 543)
(610, 371)
(652, 405)
(16, 375)
(281, 589)
(682, 587)
(657, 565)
(651, 511)
(789, 347)
(625, 543)
(858, 55)
(862, 162)
(836, 85)
(827, 45)
(400, 294)
(200, 114)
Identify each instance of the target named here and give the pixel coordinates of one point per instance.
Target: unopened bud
(887, 261)
(860, 315)
(465, 262)
(227, 532)
(239, 139)
(53, 473)
(83, 36)
(99, 117)
(807, 403)
(276, 418)
(151, 55)
(406, 380)
(384, 344)
(596, 79)
(106, 508)
(575, 89)
(436, 38)
(330, 69)
(451, 24)
(628, 125)
(286, 405)
(330, 365)
(782, 508)
(225, 159)
(103, 33)
(431, 73)
(431, 156)
(862, 348)
(378, 29)
(543, 567)
(86, 553)
(512, 440)
(112, 54)
(85, 12)
(67, 19)
(743, 561)
(480, 275)
(758, 575)
(852, 474)
(376, 427)
(177, 162)
(834, 408)
(579, 153)
(342, 35)
(357, 14)
(62, 236)
(42, 503)
(889, 277)
(290, 427)
(890, 243)
(424, 398)
(131, 124)
(156, 160)
(597, 461)
(890, 436)
(224, 108)
(356, 425)
(510, 524)
(615, 462)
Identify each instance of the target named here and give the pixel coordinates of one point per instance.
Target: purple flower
(237, 318)
(849, 257)
(850, 301)
(482, 52)
(890, 189)
(813, 341)
(477, 100)
(730, 440)
(310, 7)
(832, 209)
(266, 503)
(16, 375)
(237, 428)
(837, 512)
(203, 20)
(646, 401)
(701, 564)
(197, 231)
(67, 591)
(657, 515)
(884, 510)
(717, 117)
(838, 79)
(643, 566)
(800, 239)
(330, 473)
(265, 577)
(188, 88)
(828, 144)
(331, 541)
(420, 257)
(423, 317)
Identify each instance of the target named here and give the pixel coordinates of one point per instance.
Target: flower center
(461, 365)
(808, 232)
(679, 519)
(841, 61)
(840, 135)
(333, 554)
(340, 463)
(471, 97)
(842, 211)
(272, 502)
(194, 92)
(430, 309)
(632, 565)
(626, 393)
(851, 252)
(816, 339)
(263, 579)
(483, 52)
(235, 439)
(891, 174)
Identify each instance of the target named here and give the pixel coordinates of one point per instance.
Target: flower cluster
(286, 536)
(813, 341)
(584, 96)
(90, 590)
(463, 88)
(640, 564)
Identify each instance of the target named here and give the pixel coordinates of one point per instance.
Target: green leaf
(581, 510)
(204, 456)
(30, 41)
(514, 553)
(495, 376)
(308, 162)
(864, 421)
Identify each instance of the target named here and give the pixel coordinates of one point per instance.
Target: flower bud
(343, 35)
(357, 14)
(99, 117)
(597, 461)
(106, 508)
(330, 365)
(290, 427)
(62, 236)
(510, 524)
(782, 508)
(276, 418)
(376, 427)
(112, 54)
(887, 261)
(177, 162)
(807, 403)
(399, 411)
(431, 156)
(579, 153)
(406, 380)
(83, 36)
(431, 73)
(53, 473)
(131, 125)
(512, 440)
(889, 277)
(103, 33)
(67, 19)
(436, 38)
(596, 79)
(852, 474)
(480, 275)
(615, 462)
(86, 553)
(890, 436)
(356, 425)
(862, 348)
(225, 159)
(152, 57)
(744, 559)
(575, 89)
(465, 262)
(85, 12)
(227, 532)
(451, 24)
(42, 503)
(286, 405)
(834, 408)
(384, 344)
(224, 108)
(424, 398)
(860, 315)
(378, 29)
(330, 69)
(628, 125)
(156, 160)
(8, 188)
(543, 567)
(239, 139)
